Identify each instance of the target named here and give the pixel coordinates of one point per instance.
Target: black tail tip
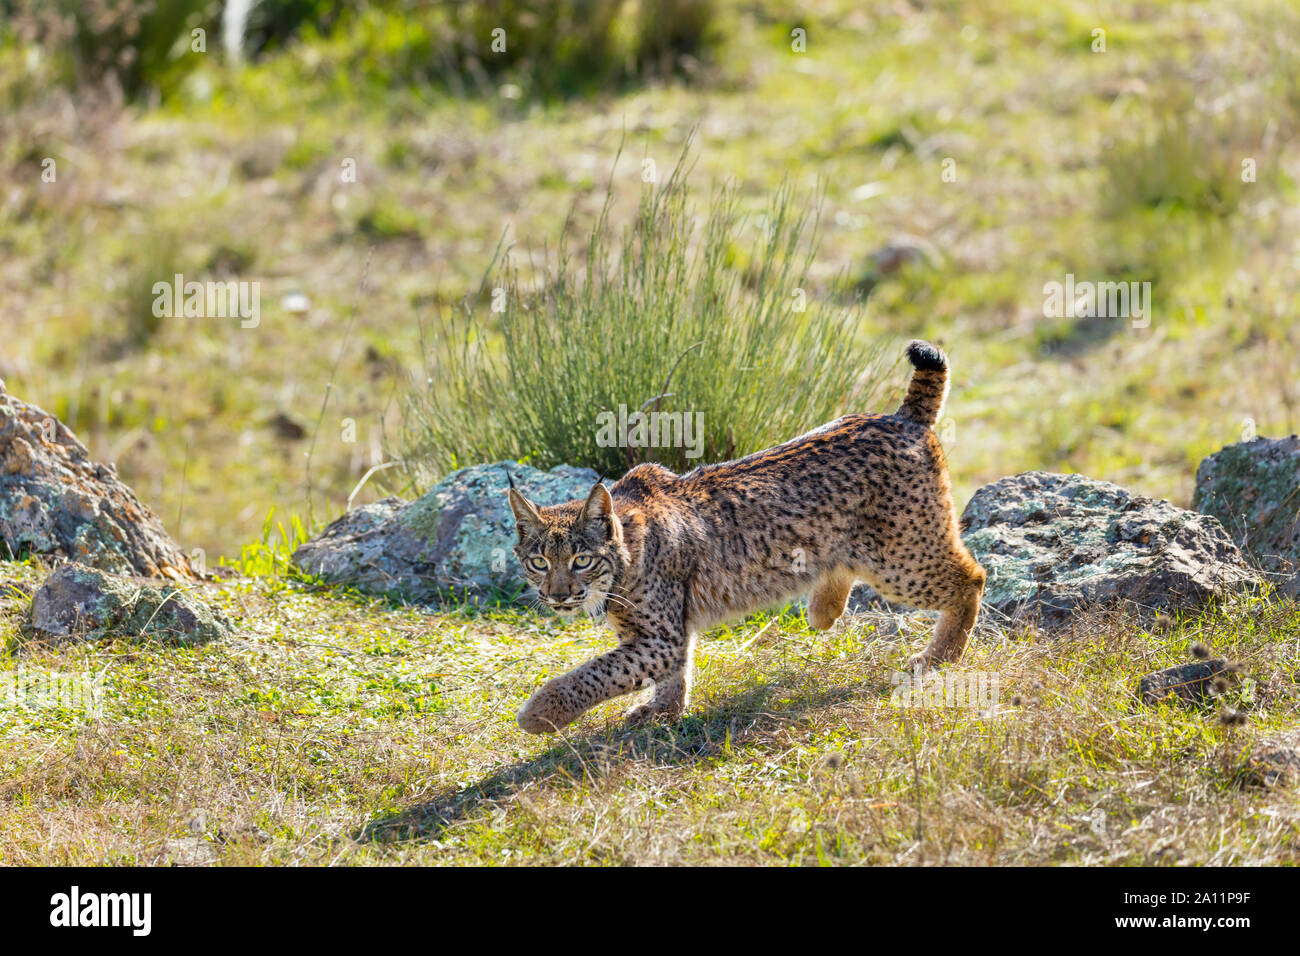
(923, 355)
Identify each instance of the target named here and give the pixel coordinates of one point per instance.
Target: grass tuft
(662, 318)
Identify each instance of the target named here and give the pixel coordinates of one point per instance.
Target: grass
(545, 48)
(711, 328)
(339, 730)
(1060, 163)
(336, 730)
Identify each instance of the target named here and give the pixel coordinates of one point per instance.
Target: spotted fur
(665, 556)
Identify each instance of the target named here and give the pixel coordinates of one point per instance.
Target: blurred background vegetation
(915, 168)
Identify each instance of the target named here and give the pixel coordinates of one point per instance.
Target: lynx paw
(641, 714)
(546, 712)
(650, 710)
(821, 619)
(924, 661)
(644, 713)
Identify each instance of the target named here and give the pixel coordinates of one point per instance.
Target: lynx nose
(571, 592)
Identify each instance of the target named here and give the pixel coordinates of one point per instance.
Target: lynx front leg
(671, 694)
(566, 698)
(829, 599)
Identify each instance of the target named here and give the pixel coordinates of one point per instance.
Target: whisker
(630, 605)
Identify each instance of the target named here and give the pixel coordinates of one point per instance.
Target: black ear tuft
(509, 477)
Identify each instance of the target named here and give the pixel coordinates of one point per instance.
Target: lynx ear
(527, 517)
(599, 503)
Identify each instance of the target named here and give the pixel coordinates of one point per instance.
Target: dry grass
(335, 730)
(339, 731)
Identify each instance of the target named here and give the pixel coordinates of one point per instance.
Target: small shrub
(1183, 158)
(1175, 180)
(549, 48)
(155, 259)
(270, 556)
(659, 318)
(270, 24)
(387, 217)
(137, 45)
(673, 34)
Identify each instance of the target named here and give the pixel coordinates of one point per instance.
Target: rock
(82, 603)
(188, 851)
(54, 500)
(1054, 544)
(458, 535)
(905, 250)
(1253, 487)
(1189, 682)
(285, 428)
(1274, 764)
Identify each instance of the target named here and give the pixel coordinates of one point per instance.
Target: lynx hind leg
(959, 606)
(828, 599)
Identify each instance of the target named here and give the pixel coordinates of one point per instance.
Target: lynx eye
(537, 563)
(581, 561)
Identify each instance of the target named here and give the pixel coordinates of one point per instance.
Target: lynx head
(571, 553)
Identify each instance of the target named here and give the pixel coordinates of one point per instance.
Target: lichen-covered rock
(1253, 488)
(1188, 682)
(54, 500)
(78, 602)
(458, 536)
(1054, 544)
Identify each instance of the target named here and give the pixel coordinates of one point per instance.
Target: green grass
(544, 48)
(335, 730)
(714, 328)
(1067, 161)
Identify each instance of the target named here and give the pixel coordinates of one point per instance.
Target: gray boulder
(456, 537)
(1253, 487)
(1054, 544)
(1191, 682)
(81, 603)
(54, 500)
